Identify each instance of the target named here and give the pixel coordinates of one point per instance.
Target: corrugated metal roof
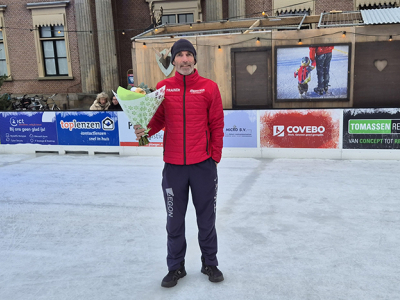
(381, 16)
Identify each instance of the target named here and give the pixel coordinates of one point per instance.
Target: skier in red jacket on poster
(321, 58)
(193, 117)
(303, 74)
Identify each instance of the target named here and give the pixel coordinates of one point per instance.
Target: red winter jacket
(192, 115)
(319, 50)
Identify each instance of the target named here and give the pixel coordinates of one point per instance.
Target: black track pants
(203, 182)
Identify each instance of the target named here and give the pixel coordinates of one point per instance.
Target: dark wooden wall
(374, 87)
(251, 77)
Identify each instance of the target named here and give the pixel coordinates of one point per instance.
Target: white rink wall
(309, 134)
(295, 153)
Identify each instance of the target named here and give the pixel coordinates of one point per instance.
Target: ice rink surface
(93, 227)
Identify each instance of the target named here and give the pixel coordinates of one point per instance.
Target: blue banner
(98, 128)
(28, 128)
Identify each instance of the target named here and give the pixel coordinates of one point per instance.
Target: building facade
(78, 48)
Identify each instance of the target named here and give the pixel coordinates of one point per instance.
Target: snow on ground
(93, 227)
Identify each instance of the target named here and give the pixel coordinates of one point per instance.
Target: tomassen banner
(371, 128)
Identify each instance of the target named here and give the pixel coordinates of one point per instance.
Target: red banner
(300, 129)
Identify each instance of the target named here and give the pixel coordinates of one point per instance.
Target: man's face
(184, 63)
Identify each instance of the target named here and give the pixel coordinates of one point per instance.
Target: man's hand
(139, 131)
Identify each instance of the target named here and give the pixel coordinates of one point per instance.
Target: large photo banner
(300, 129)
(371, 128)
(312, 73)
(127, 135)
(28, 128)
(240, 128)
(87, 128)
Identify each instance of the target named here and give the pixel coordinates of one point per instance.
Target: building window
(51, 40)
(3, 60)
(177, 11)
(168, 19)
(185, 18)
(54, 51)
(182, 18)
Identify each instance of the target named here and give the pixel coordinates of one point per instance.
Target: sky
(93, 227)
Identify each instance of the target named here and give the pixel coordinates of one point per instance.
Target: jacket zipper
(184, 120)
(207, 142)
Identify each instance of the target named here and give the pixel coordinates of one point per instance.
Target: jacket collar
(189, 78)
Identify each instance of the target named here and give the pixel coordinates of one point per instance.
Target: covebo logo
(279, 130)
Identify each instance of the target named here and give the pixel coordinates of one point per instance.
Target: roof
(284, 22)
(381, 16)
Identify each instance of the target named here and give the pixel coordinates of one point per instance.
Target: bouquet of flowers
(140, 108)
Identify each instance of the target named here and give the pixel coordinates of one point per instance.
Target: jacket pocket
(207, 143)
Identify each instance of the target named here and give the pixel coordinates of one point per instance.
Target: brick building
(77, 48)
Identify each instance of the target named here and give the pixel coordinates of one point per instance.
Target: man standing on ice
(193, 117)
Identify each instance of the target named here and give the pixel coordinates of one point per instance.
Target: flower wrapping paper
(139, 108)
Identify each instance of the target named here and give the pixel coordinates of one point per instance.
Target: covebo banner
(300, 129)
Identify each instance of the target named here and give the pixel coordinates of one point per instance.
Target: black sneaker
(214, 274)
(171, 279)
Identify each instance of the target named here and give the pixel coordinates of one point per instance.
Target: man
(192, 115)
(321, 58)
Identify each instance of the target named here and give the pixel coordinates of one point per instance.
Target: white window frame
(49, 14)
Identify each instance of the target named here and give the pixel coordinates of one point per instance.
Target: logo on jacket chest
(176, 90)
(201, 91)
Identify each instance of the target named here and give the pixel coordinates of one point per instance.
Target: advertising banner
(127, 135)
(28, 128)
(300, 129)
(98, 128)
(371, 128)
(240, 128)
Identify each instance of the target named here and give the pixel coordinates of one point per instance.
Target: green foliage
(5, 104)
(143, 86)
(2, 78)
